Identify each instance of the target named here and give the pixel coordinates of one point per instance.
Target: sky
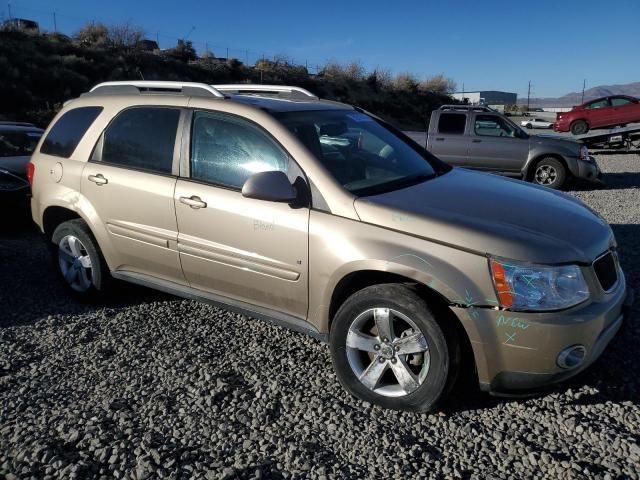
(483, 45)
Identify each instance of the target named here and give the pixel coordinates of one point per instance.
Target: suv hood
(493, 215)
(549, 140)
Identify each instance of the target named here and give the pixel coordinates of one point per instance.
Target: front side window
(452, 123)
(493, 126)
(227, 150)
(142, 138)
(64, 136)
(363, 155)
(619, 102)
(17, 143)
(598, 104)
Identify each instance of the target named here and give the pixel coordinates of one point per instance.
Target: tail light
(31, 170)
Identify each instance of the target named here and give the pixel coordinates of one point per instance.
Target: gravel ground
(151, 386)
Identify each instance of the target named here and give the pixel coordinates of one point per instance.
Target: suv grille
(605, 268)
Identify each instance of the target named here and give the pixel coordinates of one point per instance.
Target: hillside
(575, 98)
(40, 72)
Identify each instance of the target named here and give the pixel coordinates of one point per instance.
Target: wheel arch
(531, 164)
(438, 303)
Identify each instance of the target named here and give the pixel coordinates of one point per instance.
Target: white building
(487, 97)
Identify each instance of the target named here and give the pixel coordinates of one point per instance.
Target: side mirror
(273, 186)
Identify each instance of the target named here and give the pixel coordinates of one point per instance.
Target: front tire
(579, 127)
(388, 349)
(78, 260)
(550, 172)
(529, 126)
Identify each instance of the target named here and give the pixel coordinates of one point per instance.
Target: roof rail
(294, 92)
(193, 89)
(479, 108)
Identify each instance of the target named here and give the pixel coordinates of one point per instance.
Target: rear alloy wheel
(550, 172)
(579, 127)
(388, 349)
(79, 261)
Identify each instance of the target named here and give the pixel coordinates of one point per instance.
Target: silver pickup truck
(480, 138)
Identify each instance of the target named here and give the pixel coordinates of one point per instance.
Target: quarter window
(142, 138)
(226, 150)
(64, 136)
(452, 123)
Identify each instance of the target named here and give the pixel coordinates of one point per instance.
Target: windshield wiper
(414, 179)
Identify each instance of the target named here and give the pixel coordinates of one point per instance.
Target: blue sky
(497, 45)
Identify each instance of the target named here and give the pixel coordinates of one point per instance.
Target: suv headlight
(584, 153)
(537, 287)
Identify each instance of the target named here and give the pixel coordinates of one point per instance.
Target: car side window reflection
(226, 150)
(493, 126)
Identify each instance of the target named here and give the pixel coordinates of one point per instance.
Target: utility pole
(246, 57)
(528, 96)
(9, 6)
(227, 53)
(584, 84)
(55, 24)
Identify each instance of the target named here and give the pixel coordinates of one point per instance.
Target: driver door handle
(193, 201)
(476, 140)
(98, 179)
(440, 139)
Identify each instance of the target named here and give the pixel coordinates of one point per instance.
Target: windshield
(17, 143)
(362, 154)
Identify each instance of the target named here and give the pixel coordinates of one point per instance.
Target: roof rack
(477, 108)
(257, 89)
(192, 89)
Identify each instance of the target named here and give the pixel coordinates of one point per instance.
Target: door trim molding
(278, 318)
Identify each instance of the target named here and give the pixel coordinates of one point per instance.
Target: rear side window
(64, 136)
(226, 150)
(142, 138)
(618, 102)
(17, 143)
(452, 123)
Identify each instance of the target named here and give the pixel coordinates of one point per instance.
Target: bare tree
(405, 81)
(93, 34)
(125, 35)
(438, 84)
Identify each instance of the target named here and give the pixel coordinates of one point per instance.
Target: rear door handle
(440, 139)
(193, 201)
(475, 140)
(98, 179)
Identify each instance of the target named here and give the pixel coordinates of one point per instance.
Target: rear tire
(549, 172)
(388, 349)
(79, 261)
(579, 127)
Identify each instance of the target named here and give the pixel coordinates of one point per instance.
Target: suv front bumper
(517, 352)
(589, 170)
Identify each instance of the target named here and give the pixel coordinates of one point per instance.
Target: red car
(599, 113)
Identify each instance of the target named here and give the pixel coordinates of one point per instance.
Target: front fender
(339, 247)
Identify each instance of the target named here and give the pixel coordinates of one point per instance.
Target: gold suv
(323, 218)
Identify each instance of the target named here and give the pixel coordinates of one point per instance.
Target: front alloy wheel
(387, 352)
(550, 172)
(387, 348)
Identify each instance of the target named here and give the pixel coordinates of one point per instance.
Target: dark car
(600, 113)
(17, 142)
